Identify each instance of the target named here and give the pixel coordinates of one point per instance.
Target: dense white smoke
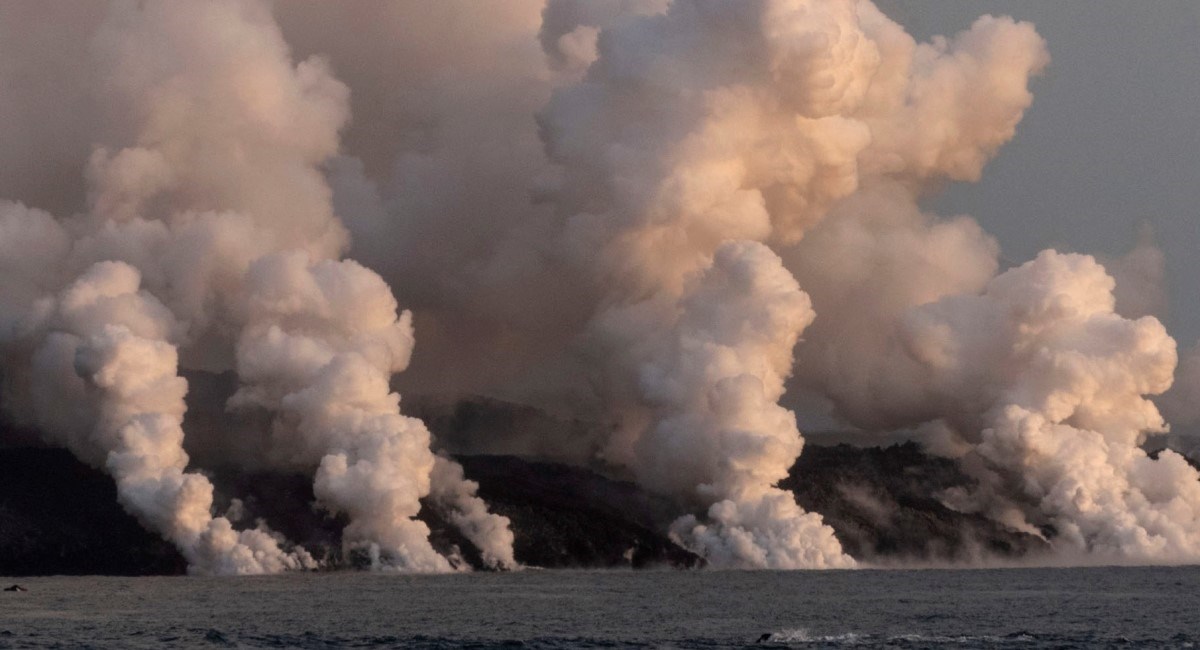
(700, 134)
(629, 211)
(209, 230)
(676, 131)
(876, 257)
(1049, 384)
(435, 180)
(320, 343)
(717, 431)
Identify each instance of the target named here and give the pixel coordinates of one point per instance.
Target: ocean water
(1009, 608)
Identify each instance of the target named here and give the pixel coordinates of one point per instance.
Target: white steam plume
(937, 110)
(435, 184)
(322, 339)
(103, 348)
(1062, 417)
(1050, 388)
(692, 166)
(695, 137)
(209, 229)
(712, 389)
(874, 259)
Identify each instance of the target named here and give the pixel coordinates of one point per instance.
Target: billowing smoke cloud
(1031, 378)
(210, 242)
(675, 132)
(875, 258)
(435, 182)
(667, 219)
(702, 134)
(1050, 384)
(103, 347)
(320, 343)
(717, 427)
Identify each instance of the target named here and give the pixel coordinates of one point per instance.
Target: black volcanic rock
(883, 505)
(566, 516)
(59, 516)
(561, 516)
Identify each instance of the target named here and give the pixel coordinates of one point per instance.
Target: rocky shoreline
(59, 516)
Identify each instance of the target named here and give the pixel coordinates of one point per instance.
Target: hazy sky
(1112, 139)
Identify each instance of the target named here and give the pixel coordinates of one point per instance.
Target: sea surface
(1003, 608)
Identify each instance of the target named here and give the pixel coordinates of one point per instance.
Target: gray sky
(1112, 139)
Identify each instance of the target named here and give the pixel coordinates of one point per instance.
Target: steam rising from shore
(209, 230)
(1051, 387)
(665, 218)
(697, 138)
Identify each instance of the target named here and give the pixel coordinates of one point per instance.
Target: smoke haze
(674, 222)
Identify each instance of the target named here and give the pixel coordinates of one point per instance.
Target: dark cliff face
(882, 502)
(571, 517)
(883, 505)
(561, 516)
(58, 516)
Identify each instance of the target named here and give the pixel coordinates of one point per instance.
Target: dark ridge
(883, 505)
(561, 516)
(61, 517)
(285, 502)
(572, 517)
(58, 516)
